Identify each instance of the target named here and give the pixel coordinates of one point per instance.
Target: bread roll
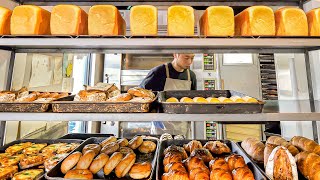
(308, 164)
(313, 17)
(79, 174)
(172, 99)
(186, 100)
(235, 161)
(105, 20)
(5, 15)
(135, 142)
(110, 148)
(180, 21)
(220, 174)
(70, 162)
(254, 148)
(123, 142)
(255, 21)
(147, 147)
(86, 159)
(242, 173)
(94, 147)
(281, 165)
(30, 20)
(217, 21)
(140, 170)
(213, 100)
(217, 147)
(144, 20)
(98, 163)
(125, 165)
(267, 151)
(68, 20)
(305, 144)
(108, 140)
(200, 100)
(282, 142)
(112, 162)
(291, 21)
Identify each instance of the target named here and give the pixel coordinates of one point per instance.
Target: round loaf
(70, 162)
(125, 165)
(135, 142)
(123, 142)
(98, 163)
(86, 159)
(147, 147)
(79, 174)
(112, 162)
(108, 140)
(110, 148)
(94, 147)
(140, 170)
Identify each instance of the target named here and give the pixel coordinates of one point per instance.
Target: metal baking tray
(24, 106)
(55, 173)
(258, 175)
(207, 108)
(84, 136)
(48, 141)
(68, 105)
(260, 166)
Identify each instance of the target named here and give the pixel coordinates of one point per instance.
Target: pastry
(94, 147)
(52, 148)
(110, 148)
(52, 161)
(135, 142)
(112, 162)
(217, 147)
(28, 174)
(140, 170)
(98, 163)
(121, 98)
(147, 147)
(31, 161)
(140, 92)
(171, 158)
(175, 166)
(235, 161)
(219, 163)
(242, 173)
(123, 142)
(220, 174)
(79, 174)
(17, 148)
(8, 172)
(194, 144)
(199, 173)
(172, 175)
(202, 153)
(67, 148)
(34, 149)
(86, 159)
(176, 149)
(194, 162)
(70, 162)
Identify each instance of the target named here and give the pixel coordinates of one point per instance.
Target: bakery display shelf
(164, 2)
(84, 136)
(160, 45)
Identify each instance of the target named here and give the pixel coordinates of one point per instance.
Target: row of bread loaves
(106, 20)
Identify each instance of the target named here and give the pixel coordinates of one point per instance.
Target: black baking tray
(48, 141)
(84, 136)
(261, 165)
(55, 173)
(207, 108)
(258, 175)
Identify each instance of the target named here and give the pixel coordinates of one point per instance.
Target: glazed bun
(200, 100)
(70, 162)
(186, 100)
(86, 159)
(123, 142)
(108, 140)
(94, 147)
(125, 165)
(125, 150)
(135, 142)
(140, 170)
(79, 174)
(147, 147)
(98, 163)
(110, 148)
(172, 99)
(112, 162)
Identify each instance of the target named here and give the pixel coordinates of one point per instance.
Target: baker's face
(184, 60)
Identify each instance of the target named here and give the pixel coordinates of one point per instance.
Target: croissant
(192, 145)
(171, 158)
(176, 149)
(217, 147)
(199, 173)
(305, 144)
(175, 166)
(282, 142)
(219, 163)
(175, 175)
(202, 153)
(194, 162)
(220, 174)
(235, 161)
(242, 173)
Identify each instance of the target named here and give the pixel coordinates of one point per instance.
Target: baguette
(254, 148)
(309, 165)
(276, 140)
(305, 144)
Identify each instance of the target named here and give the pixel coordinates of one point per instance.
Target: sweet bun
(125, 165)
(213, 100)
(135, 142)
(237, 99)
(147, 147)
(172, 99)
(110, 148)
(94, 147)
(140, 92)
(186, 100)
(200, 100)
(225, 100)
(249, 99)
(112, 162)
(98, 163)
(140, 170)
(125, 150)
(86, 159)
(70, 162)
(121, 97)
(123, 142)
(79, 174)
(108, 140)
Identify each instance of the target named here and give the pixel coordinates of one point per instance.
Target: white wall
(8, 4)
(4, 65)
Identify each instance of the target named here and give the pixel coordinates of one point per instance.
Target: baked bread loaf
(70, 162)
(242, 173)
(192, 145)
(267, 151)
(291, 21)
(254, 148)
(125, 165)
(108, 140)
(140, 170)
(202, 153)
(180, 21)
(217, 21)
(308, 165)
(7, 96)
(235, 161)
(68, 20)
(91, 95)
(123, 142)
(144, 20)
(121, 98)
(28, 98)
(94, 147)
(112, 162)
(79, 174)
(135, 142)
(217, 147)
(147, 147)
(282, 142)
(5, 20)
(314, 22)
(219, 163)
(110, 148)
(255, 21)
(220, 174)
(305, 144)
(86, 159)
(281, 165)
(140, 92)
(105, 20)
(30, 20)
(98, 163)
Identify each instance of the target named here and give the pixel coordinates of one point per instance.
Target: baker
(171, 76)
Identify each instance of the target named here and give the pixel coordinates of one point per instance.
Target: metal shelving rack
(168, 45)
